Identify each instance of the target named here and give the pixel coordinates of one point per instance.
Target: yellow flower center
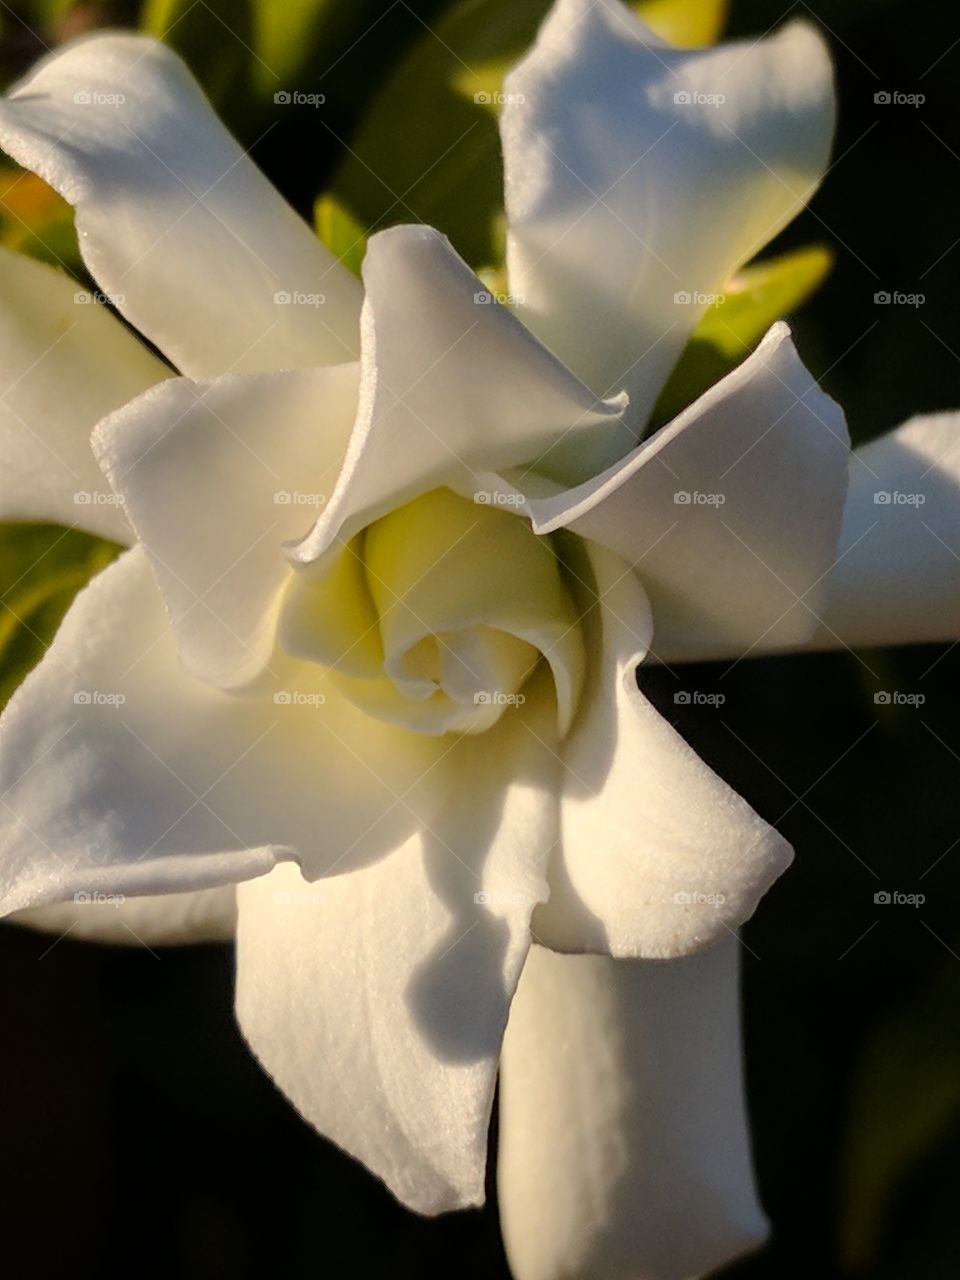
(437, 615)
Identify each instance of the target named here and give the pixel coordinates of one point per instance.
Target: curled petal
(451, 384)
(377, 1000)
(658, 857)
(207, 915)
(176, 223)
(65, 362)
(215, 476)
(730, 514)
(639, 177)
(121, 774)
(897, 575)
(623, 1132)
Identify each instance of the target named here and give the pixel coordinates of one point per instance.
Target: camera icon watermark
(687, 498)
(97, 698)
(696, 698)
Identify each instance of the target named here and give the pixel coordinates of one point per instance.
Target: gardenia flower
(366, 674)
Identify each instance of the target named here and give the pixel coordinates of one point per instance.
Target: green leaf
(35, 221)
(750, 303)
(42, 567)
(429, 150)
(215, 38)
(689, 24)
(340, 232)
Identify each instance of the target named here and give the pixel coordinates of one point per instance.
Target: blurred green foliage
(42, 567)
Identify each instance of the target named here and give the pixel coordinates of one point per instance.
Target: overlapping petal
(64, 363)
(120, 773)
(658, 857)
(639, 177)
(452, 384)
(206, 915)
(897, 576)
(377, 1000)
(215, 476)
(623, 1132)
(730, 514)
(167, 202)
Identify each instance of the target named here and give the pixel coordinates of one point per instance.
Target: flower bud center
(437, 615)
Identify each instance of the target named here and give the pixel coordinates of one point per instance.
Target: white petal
(730, 513)
(119, 773)
(897, 577)
(216, 476)
(622, 193)
(452, 384)
(175, 222)
(65, 361)
(208, 915)
(624, 1149)
(659, 857)
(378, 1003)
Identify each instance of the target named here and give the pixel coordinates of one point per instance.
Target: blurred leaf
(36, 221)
(752, 300)
(214, 37)
(428, 149)
(906, 1100)
(689, 24)
(42, 567)
(340, 232)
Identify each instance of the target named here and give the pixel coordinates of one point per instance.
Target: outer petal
(897, 576)
(452, 384)
(64, 363)
(121, 774)
(215, 476)
(658, 857)
(208, 915)
(378, 1006)
(638, 174)
(188, 237)
(624, 1149)
(730, 513)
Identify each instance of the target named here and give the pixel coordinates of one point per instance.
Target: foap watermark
(297, 298)
(97, 98)
(487, 297)
(694, 498)
(694, 98)
(894, 898)
(97, 498)
(897, 98)
(492, 498)
(498, 898)
(298, 698)
(87, 297)
(691, 898)
(896, 298)
(296, 98)
(98, 698)
(695, 298)
(695, 698)
(894, 498)
(96, 898)
(305, 897)
(495, 98)
(897, 698)
(295, 498)
(497, 698)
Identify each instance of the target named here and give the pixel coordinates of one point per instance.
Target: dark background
(138, 1134)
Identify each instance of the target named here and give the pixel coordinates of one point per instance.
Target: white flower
(366, 530)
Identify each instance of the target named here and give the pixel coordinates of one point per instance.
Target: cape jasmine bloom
(364, 681)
